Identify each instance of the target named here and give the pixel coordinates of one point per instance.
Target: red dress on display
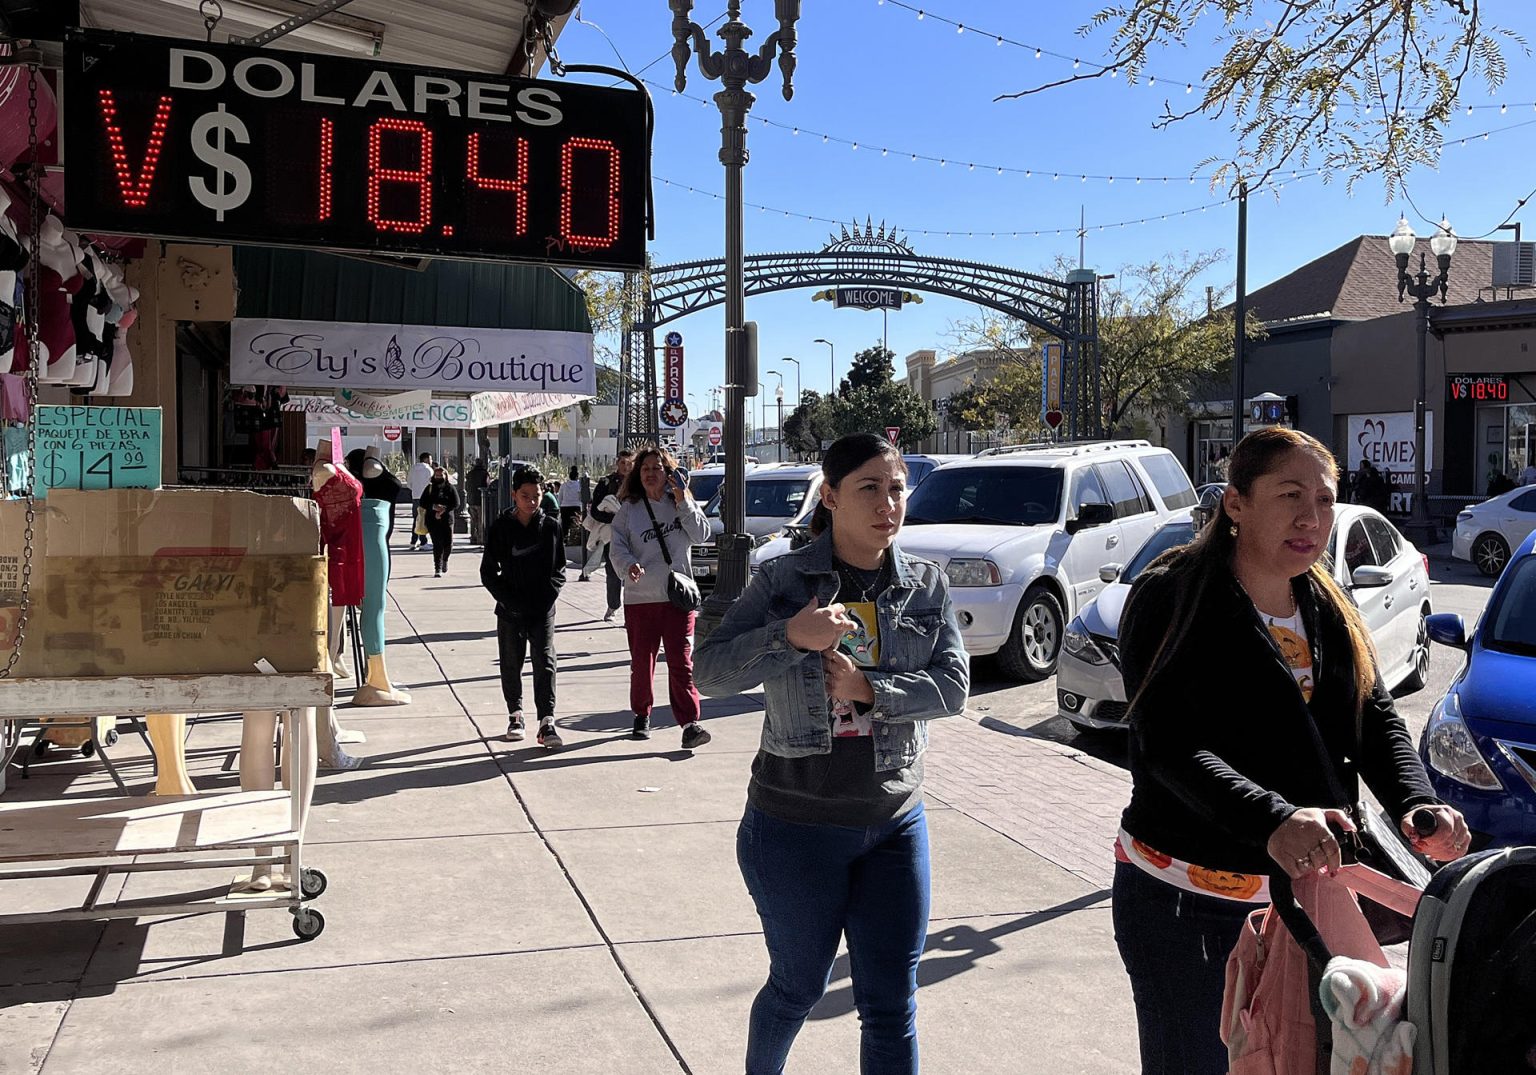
(341, 536)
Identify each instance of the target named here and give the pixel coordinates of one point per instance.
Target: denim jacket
(923, 671)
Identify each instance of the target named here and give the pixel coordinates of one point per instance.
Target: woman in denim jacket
(856, 646)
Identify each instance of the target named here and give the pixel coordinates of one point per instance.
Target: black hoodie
(523, 566)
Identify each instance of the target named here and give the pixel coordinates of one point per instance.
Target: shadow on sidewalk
(953, 950)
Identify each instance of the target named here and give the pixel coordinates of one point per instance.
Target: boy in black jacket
(523, 567)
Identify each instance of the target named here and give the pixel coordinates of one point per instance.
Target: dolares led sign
(230, 144)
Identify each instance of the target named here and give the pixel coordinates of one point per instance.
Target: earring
(1232, 530)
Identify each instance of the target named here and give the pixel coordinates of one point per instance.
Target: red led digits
(135, 195)
(518, 185)
(567, 193)
(421, 176)
(327, 148)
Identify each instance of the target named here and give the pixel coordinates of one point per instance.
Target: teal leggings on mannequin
(375, 573)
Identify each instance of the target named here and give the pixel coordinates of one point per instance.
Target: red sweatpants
(650, 626)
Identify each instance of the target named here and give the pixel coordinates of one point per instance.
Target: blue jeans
(1175, 945)
(814, 883)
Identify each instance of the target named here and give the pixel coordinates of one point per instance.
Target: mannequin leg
(167, 735)
(258, 729)
(328, 751)
(377, 690)
(336, 644)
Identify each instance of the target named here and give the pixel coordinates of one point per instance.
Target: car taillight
(1425, 557)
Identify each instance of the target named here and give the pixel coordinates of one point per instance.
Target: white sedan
(1486, 532)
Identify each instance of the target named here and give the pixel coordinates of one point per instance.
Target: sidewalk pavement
(494, 906)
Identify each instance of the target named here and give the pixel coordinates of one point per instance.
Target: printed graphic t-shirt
(842, 787)
(1290, 634)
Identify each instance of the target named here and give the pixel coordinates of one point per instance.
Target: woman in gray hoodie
(657, 508)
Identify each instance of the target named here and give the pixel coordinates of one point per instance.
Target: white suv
(1022, 532)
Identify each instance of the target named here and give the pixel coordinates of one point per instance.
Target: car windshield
(705, 486)
(776, 498)
(1512, 618)
(1011, 495)
(1169, 537)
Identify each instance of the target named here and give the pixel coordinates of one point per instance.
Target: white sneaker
(515, 728)
(608, 616)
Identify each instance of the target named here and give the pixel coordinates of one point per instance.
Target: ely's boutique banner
(329, 354)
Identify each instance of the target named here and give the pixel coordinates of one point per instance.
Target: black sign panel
(1477, 387)
(232, 144)
(868, 298)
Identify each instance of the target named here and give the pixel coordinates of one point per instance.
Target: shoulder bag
(682, 591)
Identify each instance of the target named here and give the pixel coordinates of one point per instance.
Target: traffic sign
(715, 436)
(391, 433)
(892, 433)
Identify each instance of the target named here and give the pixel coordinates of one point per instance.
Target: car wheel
(1490, 553)
(1420, 674)
(1032, 647)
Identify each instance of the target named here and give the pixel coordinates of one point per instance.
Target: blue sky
(875, 73)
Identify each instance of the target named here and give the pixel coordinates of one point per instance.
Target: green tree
(809, 424)
(1357, 87)
(873, 409)
(871, 368)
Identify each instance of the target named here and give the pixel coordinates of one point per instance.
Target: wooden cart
(158, 834)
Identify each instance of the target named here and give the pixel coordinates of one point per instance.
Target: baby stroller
(1471, 981)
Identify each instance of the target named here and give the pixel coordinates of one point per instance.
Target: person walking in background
(657, 508)
(570, 506)
(584, 490)
(419, 478)
(523, 567)
(857, 646)
(440, 500)
(611, 489)
(1528, 475)
(1255, 703)
(550, 502)
(475, 482)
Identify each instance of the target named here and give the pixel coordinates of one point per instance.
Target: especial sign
(232, 144)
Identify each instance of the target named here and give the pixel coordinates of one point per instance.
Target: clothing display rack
(163, 834)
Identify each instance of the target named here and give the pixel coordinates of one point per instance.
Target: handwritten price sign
(97, 448)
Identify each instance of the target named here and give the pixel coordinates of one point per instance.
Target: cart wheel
(308, 924)
(87, 748)
(39, 748)
(110, 739)
(311, 883)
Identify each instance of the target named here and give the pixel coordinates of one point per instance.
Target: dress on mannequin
(59, 280)
(380, 488)
(258, 749)
(341, 534)
(12, 259)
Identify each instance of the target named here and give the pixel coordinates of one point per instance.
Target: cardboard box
(167, 582)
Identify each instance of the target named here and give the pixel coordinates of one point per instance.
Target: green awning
(305, 285)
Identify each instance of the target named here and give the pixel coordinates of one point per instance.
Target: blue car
(1480, 743)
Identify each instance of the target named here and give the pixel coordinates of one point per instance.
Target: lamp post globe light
(734, 68)
(831, 364)
(1423, 287)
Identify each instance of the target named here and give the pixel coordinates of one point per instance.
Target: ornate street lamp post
(735, 68)
(778, 455)
(1422, 287)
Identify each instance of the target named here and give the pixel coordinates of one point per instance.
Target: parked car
(1209, 495)
(779, 495)
(1021, 533)
(1480, 742)
(704, 482)
(1486, 532)
(920, 466)
(1383, 572)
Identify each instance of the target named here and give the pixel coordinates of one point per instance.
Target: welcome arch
(1064, 309)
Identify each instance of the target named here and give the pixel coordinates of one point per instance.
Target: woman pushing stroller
(1246, 665)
